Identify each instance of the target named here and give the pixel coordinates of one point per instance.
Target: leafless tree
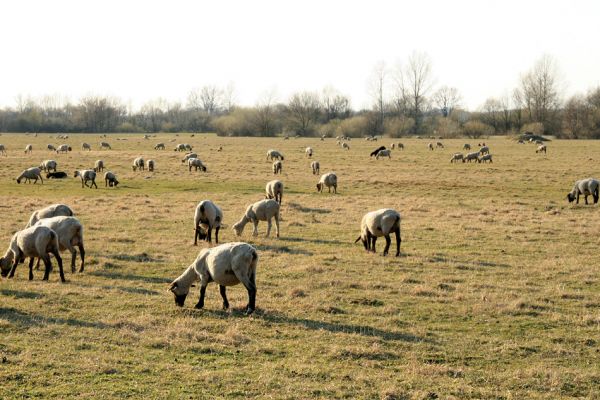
(416, 82)
(335, 105)
(303, 111)
(265, 113)
(228, 97)
(377, 91)
(447, 99)
(492, 112)
(540, 89)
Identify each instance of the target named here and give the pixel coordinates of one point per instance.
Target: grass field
(496, 294)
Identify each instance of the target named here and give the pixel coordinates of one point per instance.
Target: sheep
(520, 141)
(33, 242)
(274, 154)
(70, 233)
(227, 265)
(99, 166)
(457, 157)
(471, 156)
(110, 179)
(277, 167)
(380, 223)
(400, 146)
(430, 146)
(484, 150)
(263, 210)
(220, 148)
(55, 210)
(3, 150)
(393, 146)
(31, 173)
(104, 145)
(485, 158)
(47, 165)
(316, 167)
(337, 142)
(466, 146)
(159, 146)
(86, 146)
(585, 187)
(196, 163)
(345, 146)
(439, 144)
(63, 148)
(330, 180)
(274, 190)
(86, 175)
(56, 175)
(539, 142)
(377, 150)
(309, 152)
(138, 163)
(151, 165)
(51, 147)
(188, 156)
(187, 147)
(179, 147)
(384, 153)
(541, 148)
(207, 216)
(28, 149)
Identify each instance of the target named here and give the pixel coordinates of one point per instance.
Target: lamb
(110, 179)
(457, 157)
(196, 163)
(207, 216)
(55, 210)
(87, 175)
(28, 149)
(430, 146)
(466, 146)
(485, 158)
(439, 144)
(484, 150)
(309, 152)
(63, 148)
(345, 146)
(188, 156)
(274, 190)
(31, 173)
(227, 265)
(151, 165)
(99, 166)
(104, 145)
(56, 175)
(86, 146)
(380, 223)
(541, 148)
(377, 150)
(471, 156)
(51, 147)
(330, 180)
(263, 210)
(316, 167)
(159, 146)
(384, 153)
(138, 163)
(33, 242)
(585, 187)
(274, 154)
(70, 234)
(47, 165)
(277, 167)
(2, 150)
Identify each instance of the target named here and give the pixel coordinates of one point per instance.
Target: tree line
(404, 102)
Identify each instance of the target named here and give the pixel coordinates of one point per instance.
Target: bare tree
(416, 83)
(265, 113)
(377, 90)
(540, 88)
(492, 112)
(303, 111)
(447, 99)
(228, 97)
(210, 96)
(576, 116)
(506, 112)
(335, 105)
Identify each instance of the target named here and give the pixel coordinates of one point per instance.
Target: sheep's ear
(173, 286)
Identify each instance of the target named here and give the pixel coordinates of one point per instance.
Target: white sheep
(105, 145)
(330, 180)
(151, 165)
(309, 152)
(33, 242)
(28, 149)
(110, 179)
(430, 146)
(380, 223)
(187, 147)
(485, 158)
(277, 167)
(585, 187)
(274, 190)
(159, 146)
(316, 167)
(99, 166)
(2, 150)
(86, 176)
(51, 147)
(471, 156)
(63, 148)
(263, 210)
(208, 216)
(53, 210)
(541, 149)
(439, 145)
(484, 150)
(180, 147)
(384, 153)
(227, 265)
(188, 156)
(86, 146)
(345, 146)
(48, 165)
(197, 164)
(70, 234)
(457, 157)
(274, 154)
(138, 163)
(31, 173)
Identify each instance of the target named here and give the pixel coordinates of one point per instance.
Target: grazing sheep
(330, 180)
(31, 173)
(187, 147)
(63, 148)
(541, 148)
(86, 146)
(159, 146)
(56, 175)
(28, 149)
(345, 146)
(457, 157)
(384, 153)
(380, 223)
(70, 234)
(430, 146)
(99, 166)
(227, 265)
(220, 148)
(33, 242)
(263, 210)
(179, 147)
(277, 167)
(316, 167)
(471, 156)
(151, 165)
(51, 147)
(439, 144)
(585, 187)
(55, 210)
(188, 156)
(393, 146)
(274, 190)
(138, 163)
(484, 150)
(47, 165)
(485, 158)
(110, 179)
(337, 142)
(87, 175)
(400, 146)
(196, 163)
(207, 216)
(2, 150)
(466, 146)
(104, 145)
(377, 150)
(274, 154)
(309, 152)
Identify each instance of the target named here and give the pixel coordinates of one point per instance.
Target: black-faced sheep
(110, 179)
(585, 187)
(138, 163)
(309, 152)
(316, 167)
(28, 149)
(30, 173)
(380, 223)
(277, 167)
(263, 210)
(328, 180)
(197, 164)
(53, 210)
(274, 154)
(541, 149)
(274, 190)
(384, 153)
(87, 175)
(70, 234)
(48, 165)
(456, 157)
(99, 166)
(208, 216)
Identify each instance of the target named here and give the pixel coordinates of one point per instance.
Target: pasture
(496, 294)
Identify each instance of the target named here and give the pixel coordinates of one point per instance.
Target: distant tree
(446, 99)
(492, 113)
(335, 105)
(416, 81)
(377, 91)
(303, 111)
(265, 116)
(576, 117)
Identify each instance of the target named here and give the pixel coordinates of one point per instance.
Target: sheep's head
(76, 174)
(571, 197)
(238, 227)
(179, 292)
(5, 265)
(203, 168)
(18, 180)
(319, 187)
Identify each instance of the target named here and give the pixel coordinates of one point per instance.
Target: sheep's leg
(48, 266)
(31, 259)
(255, 231)
(82, 254)
(217, 234)
(268, 227)
(94, 183)
(222, 289)
(209, 234)
(37, 265)
(596, 196)
(73, 257)
(196, 234)
(249, 283)
(585, 196)
(60, 265)
(398, 241)
(373, 240)
(277, 224)
(388, 242)
(577, 198)
(201, 299)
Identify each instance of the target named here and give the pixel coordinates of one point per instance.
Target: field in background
(496, 294)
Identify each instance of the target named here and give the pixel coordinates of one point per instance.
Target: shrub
(476, 129)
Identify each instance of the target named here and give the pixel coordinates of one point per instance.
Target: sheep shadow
(301, 208)
(21, 294)
(24, 319)
(142, 257)
(467, 264)
(317, 241)
(129, 277)
(282, 249)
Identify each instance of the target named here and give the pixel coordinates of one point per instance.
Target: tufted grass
(496, 294)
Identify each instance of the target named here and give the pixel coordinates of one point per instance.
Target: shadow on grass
(142, 257)
(318, 241)
(467, 264)
(17, 294)
(282, 249)
(30, 320)
(301, 208)
(129, 277)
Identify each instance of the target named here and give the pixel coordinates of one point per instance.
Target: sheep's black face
(180, 299)
(4, 267)
(570, 197)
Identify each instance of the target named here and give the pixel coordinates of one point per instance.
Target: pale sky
(141, 50)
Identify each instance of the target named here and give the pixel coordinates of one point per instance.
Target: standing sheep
(110, 179)
(207, 216)
(99, 166)
(345, 146)
(2, 150)
(484, 150)
(104, 145)
(54, 210)
(51, 147)
(274, 190)
(86, 146)
(485, 158)
(159, 146)
(227, 265)
(466, 146)
(138, 163)
(263, 210)
(63, 148)
(31, 173)
(380, 223)
(28, 149)
(471, 156)
(330, 180)
(585, 187)
(48, 165)
(541, 149)
(196, 163)
(87, 175)
(309, 152)
(70, 234)
(430, 146)
(274, 154)
(316, 167)
(151, 165)
(457, 157)
(384, 153)
(277, 167)
(439, 145)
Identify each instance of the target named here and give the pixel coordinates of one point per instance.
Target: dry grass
(496, 294)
